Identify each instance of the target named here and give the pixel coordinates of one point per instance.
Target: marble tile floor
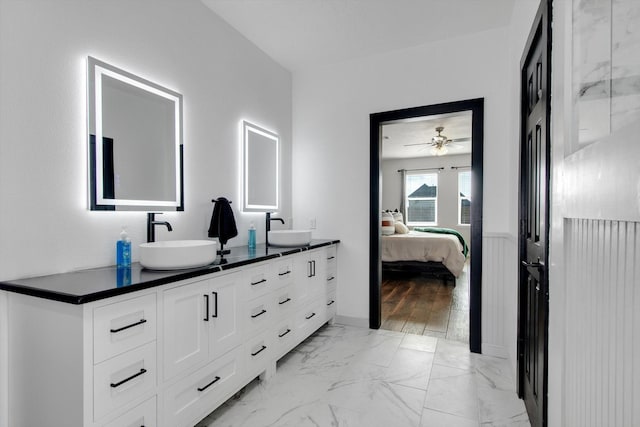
(350, 377)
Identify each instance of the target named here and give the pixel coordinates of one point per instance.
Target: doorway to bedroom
(426, 220)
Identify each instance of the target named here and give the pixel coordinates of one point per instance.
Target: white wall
(331, 132)
(45, 226)
(447, 186)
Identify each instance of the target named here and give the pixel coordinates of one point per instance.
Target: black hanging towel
(223, 224)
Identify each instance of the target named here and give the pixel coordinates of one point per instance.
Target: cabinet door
(303, 272)
(187, 316)
(318, 279)
(226, 319)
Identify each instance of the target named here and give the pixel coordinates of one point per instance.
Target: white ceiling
(303, 33)
(396, 135)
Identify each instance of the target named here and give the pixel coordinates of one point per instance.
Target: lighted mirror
(260, 167)
(135, 142)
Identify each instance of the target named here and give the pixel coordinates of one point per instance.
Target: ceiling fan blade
(460, 140)
(420, 143)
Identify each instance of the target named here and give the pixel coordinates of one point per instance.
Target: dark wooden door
(534, 219)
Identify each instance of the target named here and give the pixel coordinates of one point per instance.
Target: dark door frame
(476, 106)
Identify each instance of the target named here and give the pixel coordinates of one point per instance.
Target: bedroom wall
(447, 186)
(44, 221)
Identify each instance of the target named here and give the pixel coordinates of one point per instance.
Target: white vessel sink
(177, 254)
(289, 238)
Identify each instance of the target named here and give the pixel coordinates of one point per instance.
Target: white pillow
(401, 228)
(387, 224)
(397, 216)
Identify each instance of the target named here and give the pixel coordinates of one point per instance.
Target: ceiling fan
(440, 142)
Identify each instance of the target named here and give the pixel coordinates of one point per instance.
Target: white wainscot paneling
(602, 368)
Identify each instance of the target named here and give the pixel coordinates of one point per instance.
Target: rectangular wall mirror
(261, 169)
(135, 142)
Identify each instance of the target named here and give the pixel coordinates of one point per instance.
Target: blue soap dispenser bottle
(252, 236)
(123, 250)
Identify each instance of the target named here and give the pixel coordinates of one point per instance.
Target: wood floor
(425, 306)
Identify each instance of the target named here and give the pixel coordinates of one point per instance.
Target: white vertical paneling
(499, 295)
(602, 364)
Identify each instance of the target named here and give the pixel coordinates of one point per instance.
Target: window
(422, 198)
(464, 198)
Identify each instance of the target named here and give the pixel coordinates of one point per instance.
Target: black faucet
(151, 224)
(268, 227)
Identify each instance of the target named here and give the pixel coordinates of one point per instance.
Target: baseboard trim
(494, 350)
(352, 321)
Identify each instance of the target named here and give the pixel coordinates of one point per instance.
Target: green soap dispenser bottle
(123, 250)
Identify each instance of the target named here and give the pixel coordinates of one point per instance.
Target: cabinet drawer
(123, 378)
(122, 326)
(142, 415)
(285, 338)
(187, 399)
(331, 305)
(259, 314)
(258, 354)
(257, 281)
(284, 301)
(310, 318)
(283, 272)
(332, 281)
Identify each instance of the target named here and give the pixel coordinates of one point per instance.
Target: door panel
(534, 217)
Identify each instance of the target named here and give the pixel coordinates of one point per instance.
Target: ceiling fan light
(439, 150)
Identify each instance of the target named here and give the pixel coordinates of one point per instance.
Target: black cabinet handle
(284, 333)
(330, 278)
(310, 274)
(113, 331)
(215, 305)
(263, 348)
(285, 273)
(314, 267)
(119, 383)
(309, 317)
(206, 308)
(285, 301)
(330, 303)
(258, 282)
(330, 258)
(253, 316)
(215, 380)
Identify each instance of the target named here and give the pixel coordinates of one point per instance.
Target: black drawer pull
(310, 316)
(258, 282)
(330, 303)
(215, 380)
(253, 316)
(206, 304)
(263, 348)
(285, 273)
(285, 301)
(118, 384)
(215, 305)
(113, 331)
(330, 278)
(330, 258)
(284, 333)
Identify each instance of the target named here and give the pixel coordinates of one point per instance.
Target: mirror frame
(247, 205)
(98, 158)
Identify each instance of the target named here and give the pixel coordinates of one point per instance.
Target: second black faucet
(151, 224)
(268, 227)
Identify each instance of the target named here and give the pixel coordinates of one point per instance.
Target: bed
(436, 252)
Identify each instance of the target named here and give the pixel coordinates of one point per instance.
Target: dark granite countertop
(79, 287)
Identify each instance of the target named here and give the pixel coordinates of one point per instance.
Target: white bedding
(421, 246)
